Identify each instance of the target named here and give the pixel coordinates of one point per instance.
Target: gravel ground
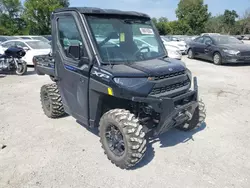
(40, 152)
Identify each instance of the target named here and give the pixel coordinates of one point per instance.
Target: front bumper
(236, 59)
(173, 111)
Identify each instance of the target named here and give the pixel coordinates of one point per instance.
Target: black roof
(94, 10)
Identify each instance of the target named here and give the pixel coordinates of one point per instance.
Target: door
(208, 49)
(72, 71)
(198, 46)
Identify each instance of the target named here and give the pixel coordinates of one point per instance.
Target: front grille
(168, 88)
(169, 75)
(247, 53)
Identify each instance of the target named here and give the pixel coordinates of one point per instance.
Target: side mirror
(75, 51)
(208, 43)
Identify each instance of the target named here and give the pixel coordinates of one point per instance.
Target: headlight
(232, 52)
(130, 82)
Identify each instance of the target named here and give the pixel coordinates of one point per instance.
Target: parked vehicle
(11, 61)
(182, 45)
(34, 37)
(49, 37)
(129, 94)
(32, 48)
(210, 34)
(219, 49)
(4, 38)
(150, 41)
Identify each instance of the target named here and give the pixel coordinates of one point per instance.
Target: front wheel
(21, 68)
(122, 138)
(217, 59)
(51, 101)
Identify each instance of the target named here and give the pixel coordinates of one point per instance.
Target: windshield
(38, 45)
(226, 40)
(127, 39)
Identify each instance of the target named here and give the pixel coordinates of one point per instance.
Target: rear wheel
(122, 138)
(217, 59)
(190, 54)
(51, 101)
(197, 119)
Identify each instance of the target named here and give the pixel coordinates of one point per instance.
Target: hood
(171, 47)
(239, 47)
(155, 67)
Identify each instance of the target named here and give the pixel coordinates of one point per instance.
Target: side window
(21, 44)
(8, 44)
(199, 39)
(208, 40)
(69, 34)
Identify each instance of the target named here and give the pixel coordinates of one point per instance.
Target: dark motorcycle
(11, 60)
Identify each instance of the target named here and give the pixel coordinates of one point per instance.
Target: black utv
(103, 78)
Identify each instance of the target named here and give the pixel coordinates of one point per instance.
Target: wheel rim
(20, 68)
(46, 100)
(216, 58)
(115, 140)
(190, 53)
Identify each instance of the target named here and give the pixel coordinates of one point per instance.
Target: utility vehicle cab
(105, 79)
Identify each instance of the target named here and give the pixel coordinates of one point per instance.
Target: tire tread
(133, 133)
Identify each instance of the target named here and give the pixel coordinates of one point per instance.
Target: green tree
(215, 24)
(11, 21)
(154, 20)
(180, 28)
(245, 22)
(37, 14)
(229, 20)
(194, 13)
(162, 19)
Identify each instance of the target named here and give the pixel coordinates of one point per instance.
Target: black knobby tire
(51, 101)
(190, 54)
(217, 59)
(198, 118)
(133, 135)
(22, 68)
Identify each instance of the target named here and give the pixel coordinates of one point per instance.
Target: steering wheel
(139, 51)
(112, 35)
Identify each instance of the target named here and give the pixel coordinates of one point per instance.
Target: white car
(173, 52)
(32, 48)
(175, 42)
(33, 37)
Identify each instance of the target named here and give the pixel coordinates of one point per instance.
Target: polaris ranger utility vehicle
(103, 79)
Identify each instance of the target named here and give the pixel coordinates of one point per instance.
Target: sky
(166, 8)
